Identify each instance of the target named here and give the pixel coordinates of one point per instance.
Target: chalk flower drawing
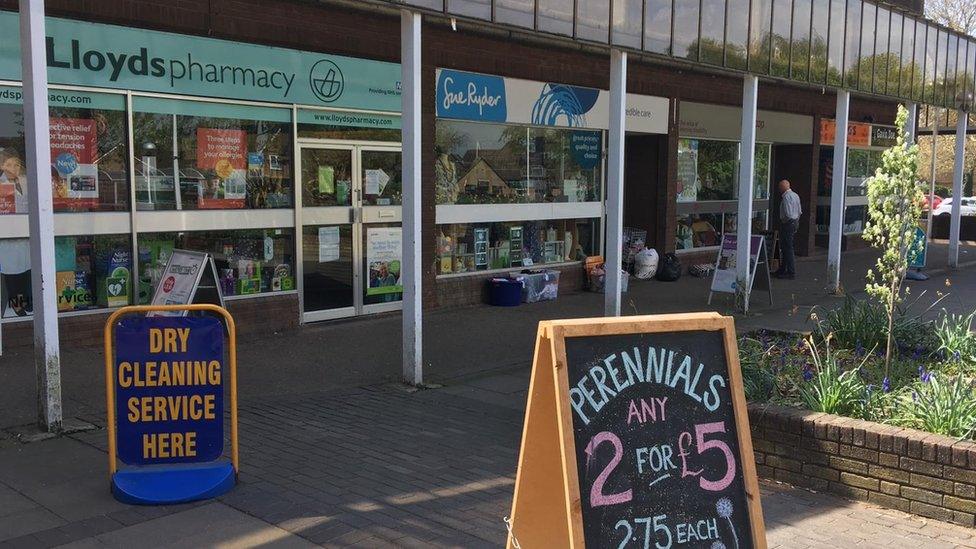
(718, 545)
(724, 509)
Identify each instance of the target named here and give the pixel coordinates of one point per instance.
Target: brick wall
(459, 291)
(260, 315)
(912, 471)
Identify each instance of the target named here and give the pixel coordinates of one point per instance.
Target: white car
(968, 206)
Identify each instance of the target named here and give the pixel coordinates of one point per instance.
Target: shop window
(521, 164)
(760, 33)
(88, 152)
(818, 42)
(249, 261)
(884, 41)
(852, 43)
(193, 155)
(835, 42)
(520, 13)
(472, 247)
(737, 34)
(686, 22)
(593, 20)
(800, 42)
(657, 26)
(705, 230)
(713, 31)
(780, 38)
(479, 9)
(627, 22)
(556, 16)
(92, 272)
(708, 191)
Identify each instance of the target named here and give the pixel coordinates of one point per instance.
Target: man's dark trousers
(787, 232)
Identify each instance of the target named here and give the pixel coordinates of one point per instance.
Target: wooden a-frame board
(546, 506)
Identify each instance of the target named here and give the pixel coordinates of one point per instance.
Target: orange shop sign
(858, 134)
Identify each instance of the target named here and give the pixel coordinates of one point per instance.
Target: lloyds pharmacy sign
(109, 56)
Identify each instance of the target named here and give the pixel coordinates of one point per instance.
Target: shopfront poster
(688, 173)
(384, 251)
(74, 146)
(8, 201)
(376, 181)
(858, 134)
(224, 153)
(178, 281)
(328, 244)
(326, 180)
(724, 278)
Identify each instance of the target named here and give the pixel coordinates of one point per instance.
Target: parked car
(936, 200)
(968, 206)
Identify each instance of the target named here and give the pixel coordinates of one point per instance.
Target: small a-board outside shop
(165, 380)
(189, 277)
(637, 435)
(724, 276)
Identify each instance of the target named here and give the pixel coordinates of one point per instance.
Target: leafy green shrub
(956, 341)
(758, 379)
(861, 325)
(938, 404)
(826, 388)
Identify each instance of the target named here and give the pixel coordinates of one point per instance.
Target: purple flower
(859, 349)
(914, 396)
(807, 372)
(956, 356)
(886, 385)
(918, 352)
(923, 374)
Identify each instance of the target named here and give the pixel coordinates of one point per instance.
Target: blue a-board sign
(917, 259)
(169, 392)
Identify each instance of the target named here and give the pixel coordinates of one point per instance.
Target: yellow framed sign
(637, 435)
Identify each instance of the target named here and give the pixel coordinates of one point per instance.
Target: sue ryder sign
(648, 417)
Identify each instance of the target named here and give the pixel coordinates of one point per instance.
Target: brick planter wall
(912, 471)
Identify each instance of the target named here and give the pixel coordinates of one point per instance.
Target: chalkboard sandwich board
(636, 435)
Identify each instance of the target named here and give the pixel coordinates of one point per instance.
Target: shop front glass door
(351, 237)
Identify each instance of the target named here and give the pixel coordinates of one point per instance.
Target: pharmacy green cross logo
(326, 80)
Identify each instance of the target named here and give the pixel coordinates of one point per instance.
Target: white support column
(615, 182)
(838, 188)
(934, 120)
(47, 352)
(912, 120)
(955, 223)
(413, 366)
(747, 170)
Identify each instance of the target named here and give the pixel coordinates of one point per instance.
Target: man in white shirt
(789, 217)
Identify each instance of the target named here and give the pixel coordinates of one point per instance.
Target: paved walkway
(461, 342)
(369, 467)
(328, 462)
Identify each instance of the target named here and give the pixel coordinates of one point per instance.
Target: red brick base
(912, 471)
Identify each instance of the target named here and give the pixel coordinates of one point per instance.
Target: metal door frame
(356, 215)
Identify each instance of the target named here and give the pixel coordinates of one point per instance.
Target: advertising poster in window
(688, 172)
(74, 146)
(383, 254)
(222, 155)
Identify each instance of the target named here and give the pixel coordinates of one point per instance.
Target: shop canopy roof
(861, 46)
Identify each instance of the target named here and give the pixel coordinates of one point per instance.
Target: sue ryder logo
(326, 81)
(471, 96)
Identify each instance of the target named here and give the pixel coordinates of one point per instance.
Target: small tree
(894, 207)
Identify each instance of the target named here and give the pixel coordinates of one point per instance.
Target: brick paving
(370, 467)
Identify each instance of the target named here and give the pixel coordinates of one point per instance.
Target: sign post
(189, 277)
(637, 435)
(164, 387)
(724, 278)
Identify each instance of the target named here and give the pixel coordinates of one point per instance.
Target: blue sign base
(173, 484)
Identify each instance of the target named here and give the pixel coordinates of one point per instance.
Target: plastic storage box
(504, 292)
(542, 286)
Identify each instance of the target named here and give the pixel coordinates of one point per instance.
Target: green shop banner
(92, 54)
